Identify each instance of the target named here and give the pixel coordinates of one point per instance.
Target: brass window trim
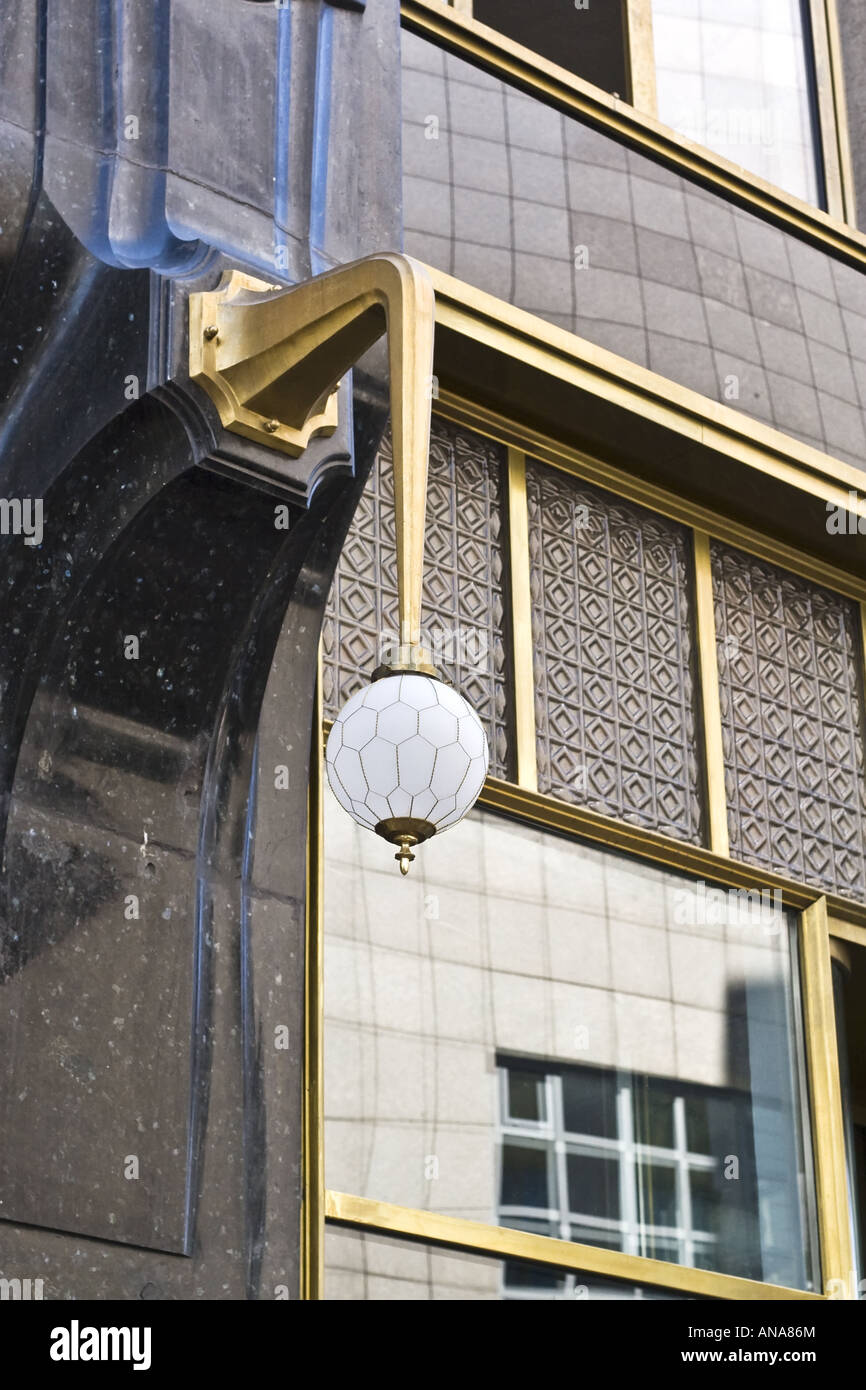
(832, 116)
(312, 1273)
(455, 30)
(551, 369)
(522, 659)
(815, 927)
(847, 931)
(674, 506)
(641, 55)
(503, 1242)
(825, 1095)
(579, 822)
(716, 799)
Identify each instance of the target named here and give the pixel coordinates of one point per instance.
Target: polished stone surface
(158, 644)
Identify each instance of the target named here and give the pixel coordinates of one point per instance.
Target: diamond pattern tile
(464, 605)
(615, 691)
(792, 720)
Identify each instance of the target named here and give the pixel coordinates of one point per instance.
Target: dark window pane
(525, 1276)
(531, 1225)
(705, 1256)
(698, 1125)
(593, 1185)
(592, 1235)
(705, 1200)
(659, 1195)
(525, 1095)
(654, 1112)
(589, 1101)
(660, 1248)
(524, 1177)
(589, 42)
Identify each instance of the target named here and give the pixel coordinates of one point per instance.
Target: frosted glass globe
(407, 749)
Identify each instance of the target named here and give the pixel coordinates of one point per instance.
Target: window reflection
(637, 1163)
(735, 75)
(363, 1266)
(536, 1032)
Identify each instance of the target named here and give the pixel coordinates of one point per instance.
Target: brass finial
(405, 856)
(407, 832)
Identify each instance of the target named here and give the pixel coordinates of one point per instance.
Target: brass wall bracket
(271, 359)
(229, 347)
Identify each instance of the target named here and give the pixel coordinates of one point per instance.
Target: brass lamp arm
(271, 358)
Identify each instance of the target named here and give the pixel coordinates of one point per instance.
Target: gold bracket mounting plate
(222, 339)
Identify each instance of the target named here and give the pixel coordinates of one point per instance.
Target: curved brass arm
(271, 358)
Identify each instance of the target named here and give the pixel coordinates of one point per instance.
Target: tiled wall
(512, 196)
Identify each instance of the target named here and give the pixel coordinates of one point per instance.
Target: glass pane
(703, 1185)
(593, 1185)
(654, 1112)
(589, 1101)
(849, 995)
(365, 1267)
(526, 1096)
(698, 1123)
(525, 1181)
(665, 1035)
(737, 78)
(658, 1196)
(589, 40)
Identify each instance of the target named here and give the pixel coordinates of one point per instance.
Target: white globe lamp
(407, 757)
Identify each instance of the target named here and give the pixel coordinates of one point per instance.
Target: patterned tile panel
(464, 605)
(792, 723)
(615, 692)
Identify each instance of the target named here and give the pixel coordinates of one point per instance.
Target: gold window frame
(452, 27)
(808, 478)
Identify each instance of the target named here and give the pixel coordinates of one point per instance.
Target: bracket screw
(272, 426)
(211, 332)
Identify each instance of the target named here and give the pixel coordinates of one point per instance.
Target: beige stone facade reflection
(508, 940)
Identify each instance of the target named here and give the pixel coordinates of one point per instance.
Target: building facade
(604, 1041)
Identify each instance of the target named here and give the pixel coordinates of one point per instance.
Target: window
(534, 1033)
(849, 989)
(589, 39)
(366, 1267)
(569, 1045)
(634, 1162)
(738, 77)
(758, 82)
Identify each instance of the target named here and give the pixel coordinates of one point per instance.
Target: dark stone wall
(153, 873)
